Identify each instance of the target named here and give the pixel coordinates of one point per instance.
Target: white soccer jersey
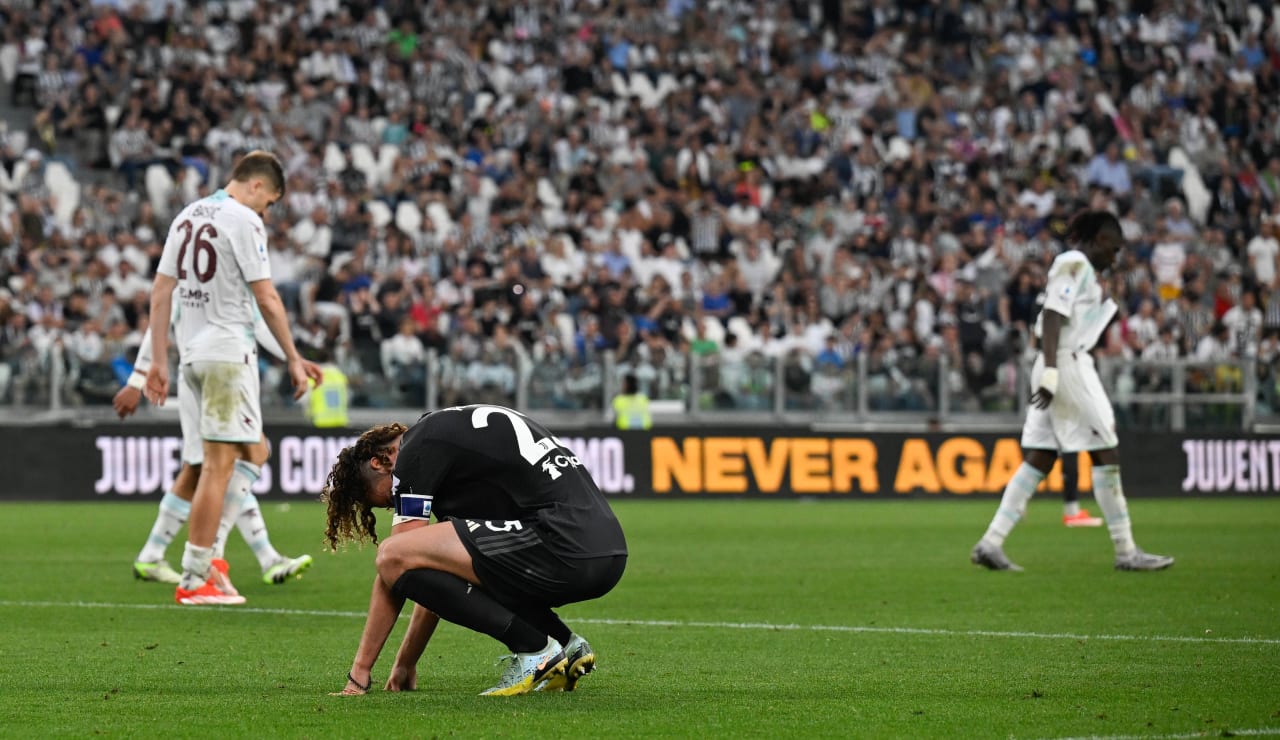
(262, 332)
(216, 247)
(1074, 292)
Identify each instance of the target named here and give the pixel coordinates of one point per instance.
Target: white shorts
(1080, 418)
(221, 404)
(189, 418)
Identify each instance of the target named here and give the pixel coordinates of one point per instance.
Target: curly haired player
(1070, 411)
(520, 528)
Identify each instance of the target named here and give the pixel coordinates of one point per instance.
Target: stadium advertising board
(131, 461)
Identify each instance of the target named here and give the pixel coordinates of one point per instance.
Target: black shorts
(517, 568)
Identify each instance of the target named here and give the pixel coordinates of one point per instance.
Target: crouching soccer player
(1070, 411)
(521, 528)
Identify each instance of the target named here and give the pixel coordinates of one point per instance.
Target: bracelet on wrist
(362, 687)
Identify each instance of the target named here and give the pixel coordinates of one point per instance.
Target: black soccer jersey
(489, 462)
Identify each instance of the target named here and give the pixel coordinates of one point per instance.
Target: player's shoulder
(1071, 262)
(237, 212)
(461, 425)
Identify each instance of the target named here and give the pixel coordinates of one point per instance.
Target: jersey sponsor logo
(554, 463)
(193, 297)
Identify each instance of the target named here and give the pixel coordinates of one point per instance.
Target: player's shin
(1013, 504)
(172, 515)
(467, 605)
(242, 477)
(1109, 494)
(546, 621)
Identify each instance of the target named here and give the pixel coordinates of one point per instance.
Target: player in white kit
(215, 265)
(1070, 411)
(240, 506)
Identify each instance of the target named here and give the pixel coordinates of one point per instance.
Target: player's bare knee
(390, 562)
(1041, 460)
(259, 453)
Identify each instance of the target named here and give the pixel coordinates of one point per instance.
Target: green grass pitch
(769, 619)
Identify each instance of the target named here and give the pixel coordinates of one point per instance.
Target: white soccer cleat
(992, 557)
(527, 672)
(1139, 560)
(159, 572)
(580, 660)
(286, 568)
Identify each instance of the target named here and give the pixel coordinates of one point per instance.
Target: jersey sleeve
(249, 245)
(172, 245)
(1063, 288)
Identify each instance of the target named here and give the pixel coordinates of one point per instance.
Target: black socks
(468, 605)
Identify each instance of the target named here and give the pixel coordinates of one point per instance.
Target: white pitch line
(1221, 732)
(764, 626)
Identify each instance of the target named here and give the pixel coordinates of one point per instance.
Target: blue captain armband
(410, 507)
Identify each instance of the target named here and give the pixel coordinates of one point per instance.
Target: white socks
(195, 566)
(254, 531)
(1109, 494)
(1013, 504)
(172, 515)
(242, 478)
(1071, 508)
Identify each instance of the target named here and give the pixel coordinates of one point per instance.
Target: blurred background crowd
(759, 192)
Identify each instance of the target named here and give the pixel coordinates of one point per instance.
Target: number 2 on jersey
(530, 449)
(203, 250)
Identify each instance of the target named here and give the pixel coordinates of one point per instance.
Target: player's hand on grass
(126, 401)
(402, 679)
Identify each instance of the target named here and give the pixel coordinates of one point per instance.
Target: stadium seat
(483, 100)
(739, 326)
(380, 213)
(334, 160)
(667, 84)
(408, 218)
(159, 184)
(547, 195)
(1193, 188)
(65, 190)
(190, 184)
(9, 56)
(713, 329)
(362, 159)
(642, 87)
(565, 327)
(387, 156)
(440, 218)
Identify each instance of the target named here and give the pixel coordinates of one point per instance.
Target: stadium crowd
(525, 186)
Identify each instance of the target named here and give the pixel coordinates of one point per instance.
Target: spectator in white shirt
(1215, 346)
(1142, 327)
(1263, 251)
(1244, 321)
(1167, 260)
